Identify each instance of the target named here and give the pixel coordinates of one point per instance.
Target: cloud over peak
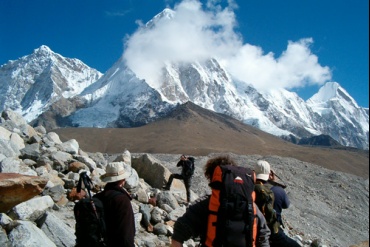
(195, 33)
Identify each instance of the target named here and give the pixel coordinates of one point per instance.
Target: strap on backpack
(88, 184)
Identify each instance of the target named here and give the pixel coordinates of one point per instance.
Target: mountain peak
(43, 50)
(166, 14)
(332, 91)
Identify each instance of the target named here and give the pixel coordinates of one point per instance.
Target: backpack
(89, 215)
(265, 201)
(232, 219)
(189, 167)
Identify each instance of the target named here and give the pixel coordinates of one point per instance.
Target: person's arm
(263, 231)
(286, 201)
(191, 224)
(179, 163)
(175, 243)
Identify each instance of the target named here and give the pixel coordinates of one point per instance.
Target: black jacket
(119, 217)
(194, 224)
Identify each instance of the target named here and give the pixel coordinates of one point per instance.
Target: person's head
(214, 162)
(183, 157)
(115, 173)
(262, 170)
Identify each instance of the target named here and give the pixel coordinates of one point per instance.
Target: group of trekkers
(244, 208)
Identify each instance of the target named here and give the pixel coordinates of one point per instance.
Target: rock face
(17, 188)
(39, 173)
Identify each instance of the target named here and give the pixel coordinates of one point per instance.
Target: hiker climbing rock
(187, 172)
(271, 198)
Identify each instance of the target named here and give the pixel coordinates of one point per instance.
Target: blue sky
(302, 43)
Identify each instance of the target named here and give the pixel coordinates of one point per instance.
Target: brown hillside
(193, 130)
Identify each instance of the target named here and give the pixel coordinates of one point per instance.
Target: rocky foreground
(39, 173)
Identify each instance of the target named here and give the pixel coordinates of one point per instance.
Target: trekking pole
(86, 181)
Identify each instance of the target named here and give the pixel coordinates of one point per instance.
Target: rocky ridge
(38, 175)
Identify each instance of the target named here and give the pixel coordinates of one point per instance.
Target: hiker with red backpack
(187, 172)
(271, 198)
(227, 217)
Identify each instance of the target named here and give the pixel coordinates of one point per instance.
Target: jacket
(194, 223)
(187, 168)
(281, 201)
(119, 217)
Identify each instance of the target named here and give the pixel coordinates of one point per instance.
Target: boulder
(4, 241)
(27, 234)
(125, 157)
(17, 188)
(15, 165)
(70, 146)
(57, 231)
(31, 209)
(154, 173)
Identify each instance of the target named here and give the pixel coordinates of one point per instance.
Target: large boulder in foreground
(16, 188)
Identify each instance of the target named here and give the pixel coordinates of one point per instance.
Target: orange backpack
(232, 219)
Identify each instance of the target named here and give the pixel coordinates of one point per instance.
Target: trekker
(265, 176)
(195, 222)
(187, 165)
(119, 215)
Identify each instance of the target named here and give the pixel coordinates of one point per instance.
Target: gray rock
(151, 170)
(167, 197)
(4, 241)
(160, 229)
(4, 220)
(31, 209)
(7, 150)
(56, 193)
(16, 141)
(157, 215)
(13, 165)
(57, 231)
(40, 129)
(90, 163)
(52, 138)
(27, 234)
(70, 147)
(31, 151)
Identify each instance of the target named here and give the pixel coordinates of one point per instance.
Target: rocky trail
(38, 175)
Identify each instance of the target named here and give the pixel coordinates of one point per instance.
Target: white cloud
(296, 67)
(196, 32)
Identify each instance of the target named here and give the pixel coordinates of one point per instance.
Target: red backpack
(232, 219)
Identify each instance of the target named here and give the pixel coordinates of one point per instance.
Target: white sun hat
(114, 172)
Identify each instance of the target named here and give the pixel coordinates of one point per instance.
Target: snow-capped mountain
(341, 117)
(32, 83)
(119, 99)
(44, 84)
